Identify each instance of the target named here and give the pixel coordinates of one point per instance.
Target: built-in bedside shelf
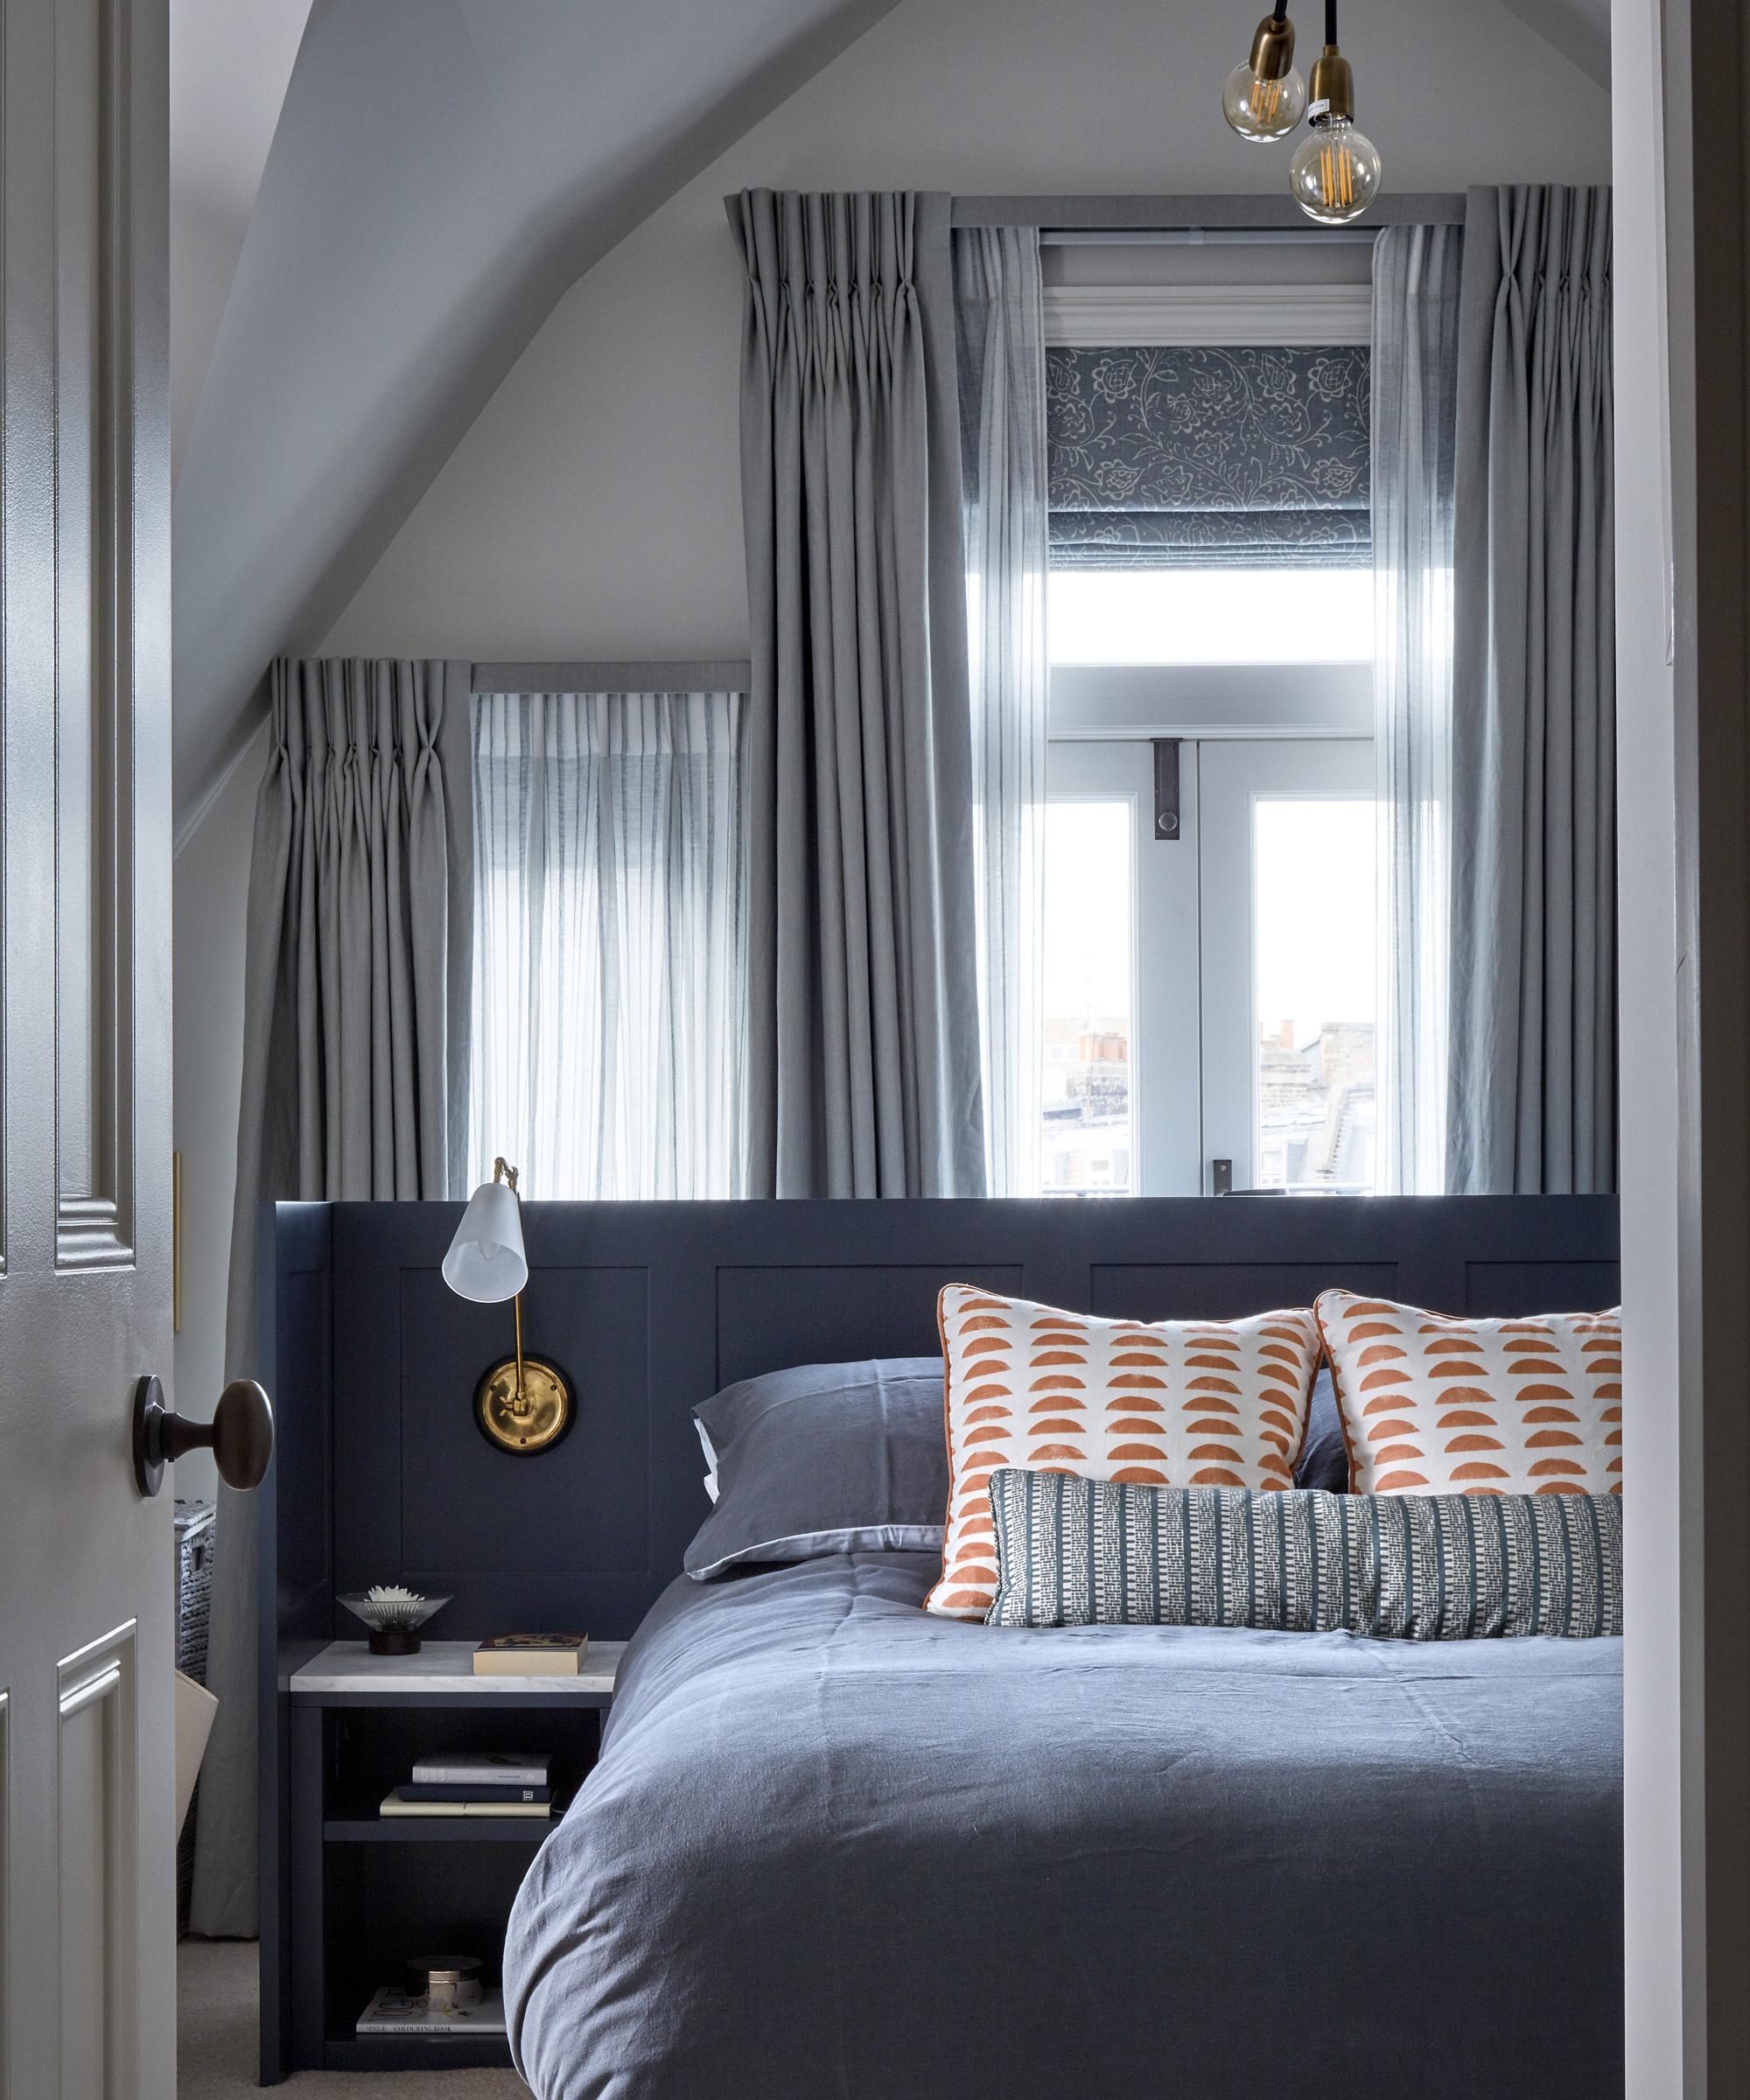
(356, 1723)
(346, 1673)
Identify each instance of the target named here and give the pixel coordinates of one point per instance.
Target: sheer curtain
(1415, 391)
(999, 310)
(609, 943)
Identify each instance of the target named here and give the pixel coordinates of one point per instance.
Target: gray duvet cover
(837, 1850)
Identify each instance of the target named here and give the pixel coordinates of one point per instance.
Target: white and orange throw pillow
(1437, 1406)
(1181, 1403)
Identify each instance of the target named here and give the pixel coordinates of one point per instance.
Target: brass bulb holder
(1331, 92)
(524, 1405)
(1272, 49)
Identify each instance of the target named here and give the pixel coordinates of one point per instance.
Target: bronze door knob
(239, 1435)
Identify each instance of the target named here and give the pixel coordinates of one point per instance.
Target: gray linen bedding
(837, 1850)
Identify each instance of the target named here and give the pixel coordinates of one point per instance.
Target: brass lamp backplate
(539, 1422)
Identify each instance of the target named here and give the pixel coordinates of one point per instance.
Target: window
(1210, 616)
(1085, 1143)
(1211, 571)
(1313, 945)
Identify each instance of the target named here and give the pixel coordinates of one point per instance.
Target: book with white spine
(482, 1767)
(392, 1804)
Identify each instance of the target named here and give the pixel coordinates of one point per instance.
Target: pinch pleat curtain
(1416, 276)
(357, 925)
(609, 943)
(863, 1042)
(1532, 1088)
(999, 308)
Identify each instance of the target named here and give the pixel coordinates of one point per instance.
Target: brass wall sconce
(523, 1405)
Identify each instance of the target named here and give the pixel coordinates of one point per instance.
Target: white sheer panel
(999, 313)
(1415, 381)
(609, 943)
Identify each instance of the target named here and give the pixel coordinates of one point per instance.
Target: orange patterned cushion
(1436, 1406)
(1185, 1402)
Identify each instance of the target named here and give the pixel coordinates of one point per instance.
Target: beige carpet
(217, 2012)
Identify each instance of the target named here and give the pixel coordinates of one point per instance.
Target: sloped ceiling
(443, 170)
(1579, 29)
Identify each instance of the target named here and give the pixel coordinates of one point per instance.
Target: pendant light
(1334, 174)
(1265, 95)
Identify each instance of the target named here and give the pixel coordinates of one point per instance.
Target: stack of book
(475, 1782)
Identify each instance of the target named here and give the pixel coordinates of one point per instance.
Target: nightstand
(369, 1891)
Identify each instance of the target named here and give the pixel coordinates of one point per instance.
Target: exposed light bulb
(1265, 95)
(1335, 172)
(1262, 110)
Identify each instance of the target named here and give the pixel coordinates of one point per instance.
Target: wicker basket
(194, 1542)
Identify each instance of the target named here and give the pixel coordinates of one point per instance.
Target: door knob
(240, 1436)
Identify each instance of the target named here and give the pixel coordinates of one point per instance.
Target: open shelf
(448, 1829)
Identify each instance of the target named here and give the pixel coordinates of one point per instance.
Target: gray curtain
(356, 979)
(864, 1038)
(1415, 385)
(1532, 1091)
(999, 308)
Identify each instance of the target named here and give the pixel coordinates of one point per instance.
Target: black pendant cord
(1331, 23)
(1281, 14)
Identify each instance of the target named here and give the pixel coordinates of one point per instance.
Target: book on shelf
(531, 1654)
(482, 1768)
(392, 2011)
(417, 1792)
(392, 1804)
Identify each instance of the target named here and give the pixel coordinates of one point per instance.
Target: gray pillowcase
(1426, 1567)
(1324, 1456)
(828, 1458)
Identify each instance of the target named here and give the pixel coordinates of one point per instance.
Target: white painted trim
(1192, 316)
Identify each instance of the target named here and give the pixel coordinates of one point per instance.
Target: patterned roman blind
(1165, 459)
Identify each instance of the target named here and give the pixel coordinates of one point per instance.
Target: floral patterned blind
(1199, 458)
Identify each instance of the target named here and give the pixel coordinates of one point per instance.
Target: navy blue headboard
(381, 1473)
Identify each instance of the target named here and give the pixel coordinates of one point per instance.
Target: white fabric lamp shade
(485, 1261)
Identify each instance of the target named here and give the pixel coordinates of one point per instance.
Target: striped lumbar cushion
(1183, 1404)
(1437, 1406)
(1075, 1552)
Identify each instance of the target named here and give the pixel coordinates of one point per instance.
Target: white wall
(212, 879)
(594, 508)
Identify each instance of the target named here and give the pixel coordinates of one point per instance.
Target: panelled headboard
(381, 1474)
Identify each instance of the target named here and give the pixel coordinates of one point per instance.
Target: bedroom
(580, 499)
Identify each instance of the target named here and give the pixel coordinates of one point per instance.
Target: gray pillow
(828, 1458)
(1324, 1456)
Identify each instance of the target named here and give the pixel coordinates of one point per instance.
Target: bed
(835, 1847)
(838, 1849)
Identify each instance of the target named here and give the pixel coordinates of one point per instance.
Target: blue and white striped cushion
(1451, 1567)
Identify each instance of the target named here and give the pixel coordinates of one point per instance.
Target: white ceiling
(229, 63)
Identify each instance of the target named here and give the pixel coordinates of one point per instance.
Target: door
(1287, 846)
(88, 1956)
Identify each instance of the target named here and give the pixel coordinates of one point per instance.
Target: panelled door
(88, 1975)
